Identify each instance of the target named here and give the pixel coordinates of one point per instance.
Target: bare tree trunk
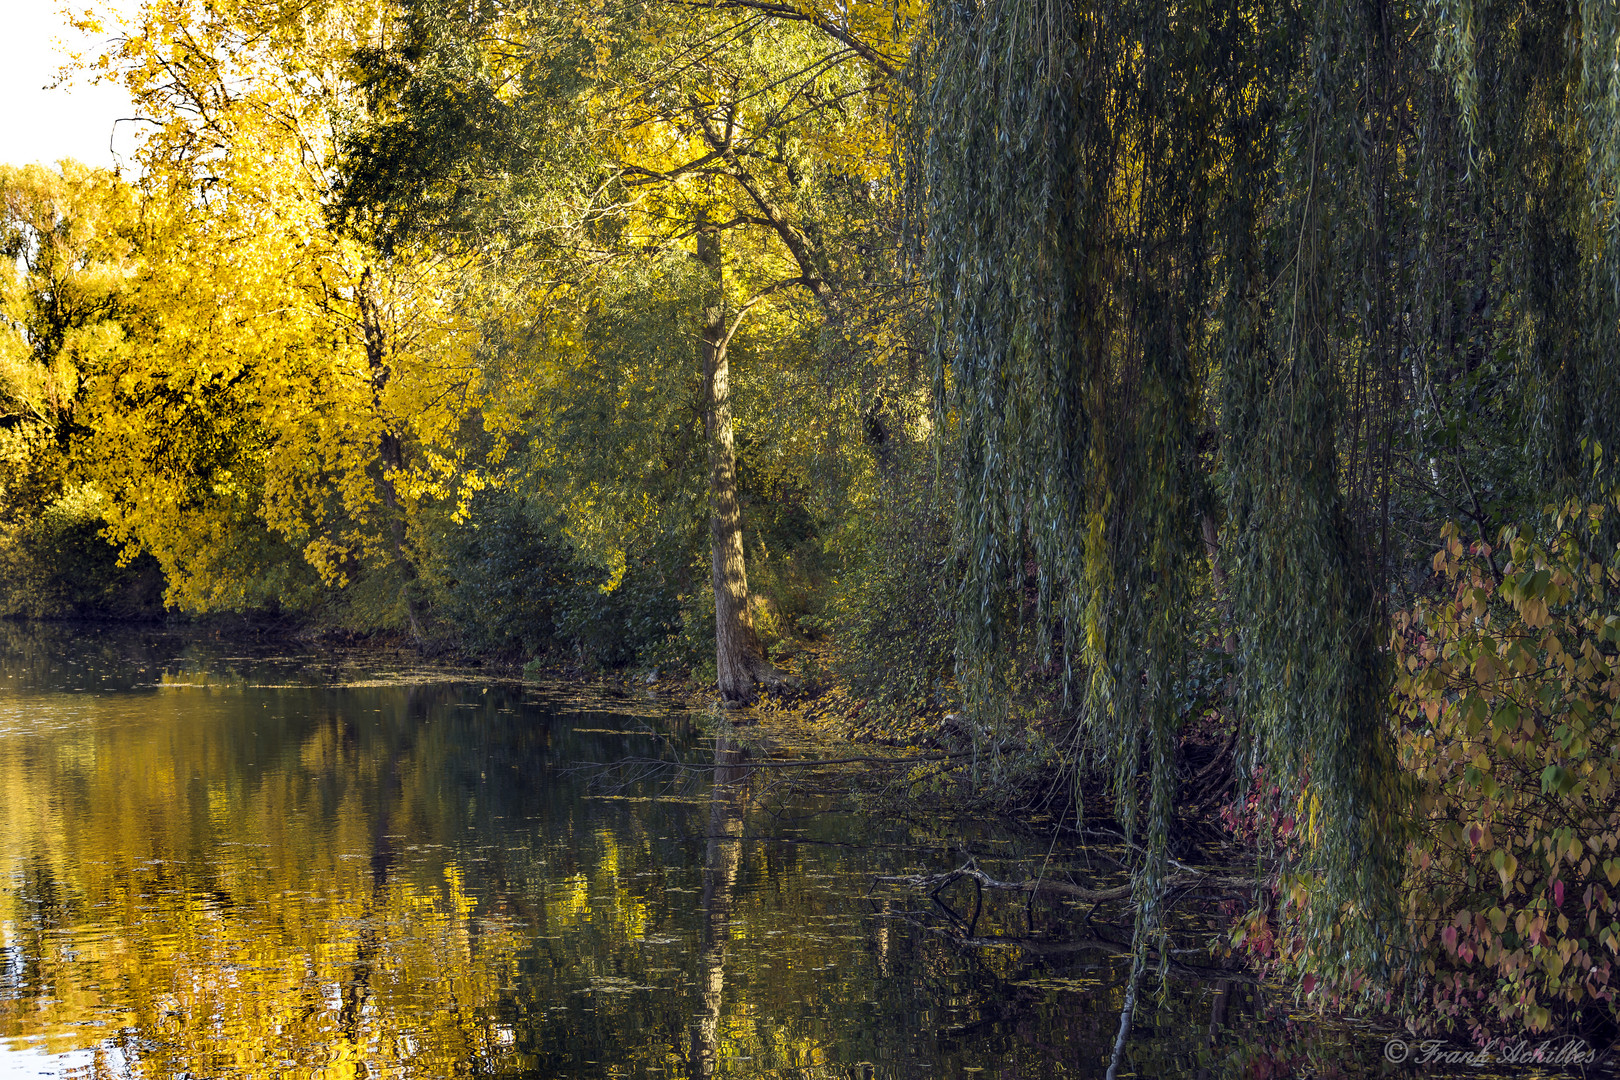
(390, 447)
(738, 658)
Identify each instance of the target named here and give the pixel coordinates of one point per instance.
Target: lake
(225, 861)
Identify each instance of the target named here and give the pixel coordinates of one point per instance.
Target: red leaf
(1558, 893)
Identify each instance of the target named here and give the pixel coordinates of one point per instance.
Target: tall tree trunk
(390, 447)
(738, 659)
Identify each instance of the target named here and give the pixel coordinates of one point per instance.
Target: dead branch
(933, 883)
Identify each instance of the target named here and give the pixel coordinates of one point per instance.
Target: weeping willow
(1366, 251)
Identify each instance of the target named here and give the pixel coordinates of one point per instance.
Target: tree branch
(866, 52)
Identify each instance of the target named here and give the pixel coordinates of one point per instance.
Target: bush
(1505, 704)
(509, 584)
(1506, 696)
(889, 609)
(57, 564)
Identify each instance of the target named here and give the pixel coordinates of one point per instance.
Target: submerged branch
(807, 763)
(970, 872)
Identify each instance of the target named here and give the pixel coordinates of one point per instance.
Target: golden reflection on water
(215, 914)
(245, 869)
(211, 876)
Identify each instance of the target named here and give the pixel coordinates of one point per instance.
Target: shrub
(1506, 694)
(1505, 701)
(510, 584)
(56, 564)
(889, 607)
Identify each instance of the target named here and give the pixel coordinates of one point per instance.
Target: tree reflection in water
(243, 870)
(722, 857)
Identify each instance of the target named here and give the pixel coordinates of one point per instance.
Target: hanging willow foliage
(1370, 250)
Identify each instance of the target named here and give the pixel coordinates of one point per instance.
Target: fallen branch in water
(750, 763)
(1106, 946)
(933, 883)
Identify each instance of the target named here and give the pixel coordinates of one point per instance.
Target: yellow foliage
(280, 383)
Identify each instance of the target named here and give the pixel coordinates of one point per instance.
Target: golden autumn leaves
(235, 394)
(294, 401)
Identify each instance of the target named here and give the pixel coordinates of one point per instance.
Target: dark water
(216, 863)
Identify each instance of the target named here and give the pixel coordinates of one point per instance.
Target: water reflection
(721, 859)
(229, 864)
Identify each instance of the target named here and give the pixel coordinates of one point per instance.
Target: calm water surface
(215, 863)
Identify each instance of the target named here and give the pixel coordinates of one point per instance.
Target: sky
(44, 126)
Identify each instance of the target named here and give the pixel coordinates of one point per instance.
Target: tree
(1299, 234)
(69, 238)
(287, 383)
(605, 139)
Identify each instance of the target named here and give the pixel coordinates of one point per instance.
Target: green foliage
(1301, 235)
(56, 563)
(506, 583)
(1504, 701)
(1297, 441)
(888, 609)
(1066, 187)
